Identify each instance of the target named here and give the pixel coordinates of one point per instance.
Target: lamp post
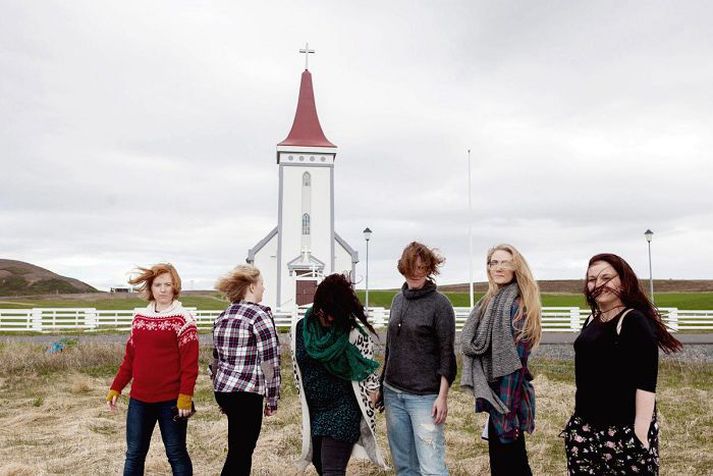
(649, 236)
(367, 236)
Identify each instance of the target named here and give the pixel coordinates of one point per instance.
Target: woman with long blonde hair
(246, 364)
(501, 331)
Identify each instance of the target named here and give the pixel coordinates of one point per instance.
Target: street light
(649, 236)
(367, 235)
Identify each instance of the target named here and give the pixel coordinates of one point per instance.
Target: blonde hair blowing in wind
(235, 284)
(530, 306)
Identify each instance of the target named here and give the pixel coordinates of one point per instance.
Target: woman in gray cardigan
(419, 366)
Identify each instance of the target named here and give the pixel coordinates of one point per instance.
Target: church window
(305, 224)
(306, 179)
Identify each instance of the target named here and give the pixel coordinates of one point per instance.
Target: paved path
(555, 345)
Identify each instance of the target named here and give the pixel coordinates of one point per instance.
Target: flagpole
(470, 239)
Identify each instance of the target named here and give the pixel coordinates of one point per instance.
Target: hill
(18, 278)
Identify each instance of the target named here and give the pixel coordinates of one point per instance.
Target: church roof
(306, 130)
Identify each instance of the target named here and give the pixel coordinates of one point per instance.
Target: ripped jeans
(417, 444)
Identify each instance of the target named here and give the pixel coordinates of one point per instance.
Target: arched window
(305, 224)
(306, 179)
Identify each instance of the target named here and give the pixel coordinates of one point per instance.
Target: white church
(304, 246)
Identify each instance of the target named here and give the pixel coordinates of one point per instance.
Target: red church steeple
(306, 130)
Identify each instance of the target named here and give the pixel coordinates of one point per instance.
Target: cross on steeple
(306, 51)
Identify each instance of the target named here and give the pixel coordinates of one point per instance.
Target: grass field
(382, 298)
(379, 298)
(110, 302)
(54, 421)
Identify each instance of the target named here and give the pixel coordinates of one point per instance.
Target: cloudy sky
(136, 132)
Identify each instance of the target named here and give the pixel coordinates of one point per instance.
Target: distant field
(380, 298)
(108, 302)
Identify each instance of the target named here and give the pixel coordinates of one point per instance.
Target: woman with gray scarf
(496, 341)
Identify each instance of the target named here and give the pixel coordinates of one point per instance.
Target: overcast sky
(137, 132)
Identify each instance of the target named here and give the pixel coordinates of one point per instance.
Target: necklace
(609, 314)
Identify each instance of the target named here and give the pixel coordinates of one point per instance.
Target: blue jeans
(140, 422)
(418, 446)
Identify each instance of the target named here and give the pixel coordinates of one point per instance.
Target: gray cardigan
(419, 341)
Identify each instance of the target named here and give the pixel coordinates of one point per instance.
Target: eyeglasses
(506, 264)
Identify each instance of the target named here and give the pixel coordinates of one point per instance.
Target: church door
(305, 291)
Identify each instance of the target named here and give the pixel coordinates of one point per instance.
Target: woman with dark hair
(614, 429)
(419, 366)
(332, 358)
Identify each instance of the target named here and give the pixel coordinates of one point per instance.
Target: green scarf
(332, 348)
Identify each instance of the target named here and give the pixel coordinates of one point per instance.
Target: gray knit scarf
(488, 346)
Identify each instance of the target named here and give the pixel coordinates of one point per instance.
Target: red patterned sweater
(161, 355)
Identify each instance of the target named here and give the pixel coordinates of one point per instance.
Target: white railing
(554, 319)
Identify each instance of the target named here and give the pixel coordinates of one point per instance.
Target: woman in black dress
(614, 429)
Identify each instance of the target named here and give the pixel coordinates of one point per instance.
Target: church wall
(343, 261)
(266, 262)
(320, 221)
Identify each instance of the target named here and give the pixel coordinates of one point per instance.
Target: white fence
(554, 319)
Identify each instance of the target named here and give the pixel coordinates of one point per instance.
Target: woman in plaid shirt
(497, 339)
(246, 370)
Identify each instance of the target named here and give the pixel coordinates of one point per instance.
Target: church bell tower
(305, 244)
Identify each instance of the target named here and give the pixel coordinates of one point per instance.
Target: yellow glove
(112, 394)
(184, 401)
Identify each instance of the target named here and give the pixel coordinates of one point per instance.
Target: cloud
(135, 132)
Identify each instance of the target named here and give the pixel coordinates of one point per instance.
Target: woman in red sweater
(161, 361)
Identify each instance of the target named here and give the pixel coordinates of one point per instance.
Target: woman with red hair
(161, 361)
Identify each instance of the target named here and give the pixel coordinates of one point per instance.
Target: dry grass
(53, 420)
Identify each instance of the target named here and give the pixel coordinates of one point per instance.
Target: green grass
(211, 302)
(377, 298)
(700, 301)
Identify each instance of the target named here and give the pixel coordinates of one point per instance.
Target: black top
(333, 408)
(419, 341)
(609, 368)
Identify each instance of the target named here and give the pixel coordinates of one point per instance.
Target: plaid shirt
(247, 351)
(516, 391)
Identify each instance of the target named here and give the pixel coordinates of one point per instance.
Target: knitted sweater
(419, 341)
(161, 355)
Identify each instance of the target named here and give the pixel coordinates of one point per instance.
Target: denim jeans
(140, 422)
(418, 446)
